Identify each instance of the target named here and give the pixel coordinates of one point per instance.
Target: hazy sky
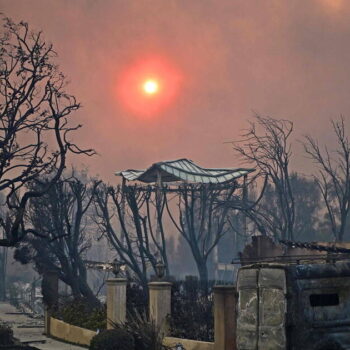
(283, 58)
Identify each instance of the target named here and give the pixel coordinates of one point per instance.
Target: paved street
(33, 329)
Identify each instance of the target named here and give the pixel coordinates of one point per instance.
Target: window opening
(324, 299)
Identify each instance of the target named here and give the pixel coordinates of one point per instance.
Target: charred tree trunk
(3, 260)
(203, 275)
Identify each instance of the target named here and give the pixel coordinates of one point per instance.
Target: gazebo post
(158, 200)
(122, 210)
(159, 186)
(245, 197)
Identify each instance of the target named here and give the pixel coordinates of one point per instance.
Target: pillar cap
(159, 285)
(117, 281)
(224, 288)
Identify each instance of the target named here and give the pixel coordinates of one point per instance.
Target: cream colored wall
(188, 344)
(81, 336)
(69, 333)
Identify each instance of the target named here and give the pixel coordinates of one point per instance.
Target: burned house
(289, 300)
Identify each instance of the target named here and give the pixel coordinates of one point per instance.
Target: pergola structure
(183, 170)
(192, 185)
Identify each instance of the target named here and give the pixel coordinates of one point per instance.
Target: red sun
(150, 87)
(147, 87)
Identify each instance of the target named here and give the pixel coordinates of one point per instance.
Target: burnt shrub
(146, 334)
(6, 335)
(80, 313)
(136, 300)
(192, 311)
(113, 339)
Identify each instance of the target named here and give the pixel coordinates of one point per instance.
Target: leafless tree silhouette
(201, 219)
(125, 214)
(333, 177)
(265, 145)
(35, 128)
(62, 216)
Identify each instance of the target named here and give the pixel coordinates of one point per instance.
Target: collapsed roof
(183, 170)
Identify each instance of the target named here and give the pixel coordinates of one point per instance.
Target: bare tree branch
(266, 146)
(333, 176)
(34, 115)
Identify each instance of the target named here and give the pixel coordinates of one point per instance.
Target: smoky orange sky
(283, 58)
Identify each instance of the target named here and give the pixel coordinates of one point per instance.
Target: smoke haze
(287, 59)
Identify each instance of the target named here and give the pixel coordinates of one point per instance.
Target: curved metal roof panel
(183, 170)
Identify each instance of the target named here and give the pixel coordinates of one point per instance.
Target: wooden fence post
(225, 317)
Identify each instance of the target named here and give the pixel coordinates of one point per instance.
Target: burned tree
(62, 216)
(266, 147)
(3, 253)
(333, 177)
(125, 214)
(3, 263)
(35, 129)
(199, 216)
(308, 207)
(201, 220)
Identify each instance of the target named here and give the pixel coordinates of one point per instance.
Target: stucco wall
(189, 344)
(69, 333)
(81, 336)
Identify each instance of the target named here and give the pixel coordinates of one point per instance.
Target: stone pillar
(116, 301)
(160, 304)
(225, 317)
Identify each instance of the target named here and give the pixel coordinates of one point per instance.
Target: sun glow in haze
(148, 86)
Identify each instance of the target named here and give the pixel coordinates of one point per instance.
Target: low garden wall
(188, 344)
(70, 333)
(73, 334)
(159, 311)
